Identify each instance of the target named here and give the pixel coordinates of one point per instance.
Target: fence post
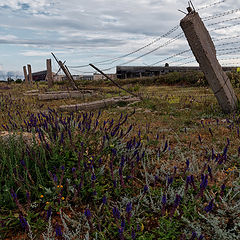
(30, 79)
(25, 75)
(49, 73)
(205, 53)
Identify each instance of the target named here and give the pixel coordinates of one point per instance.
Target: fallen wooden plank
(98, 104)
(64, 95)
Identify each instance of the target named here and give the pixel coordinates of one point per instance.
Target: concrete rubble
(89, 106)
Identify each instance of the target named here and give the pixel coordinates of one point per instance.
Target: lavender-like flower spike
(209, 207)
(58, 231)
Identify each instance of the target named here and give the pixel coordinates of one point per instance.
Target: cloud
(96, 29)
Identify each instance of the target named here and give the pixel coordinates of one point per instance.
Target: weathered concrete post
(30, 79)
(205, 53)
(49, 73)
(25, 75)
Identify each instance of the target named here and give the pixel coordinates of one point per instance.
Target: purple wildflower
(49, 212)
(145, 189)
(116, 213)
(129, 207)
(87, 213)
(194, 235)
(104, 200)
(58, 231)
(209, 207)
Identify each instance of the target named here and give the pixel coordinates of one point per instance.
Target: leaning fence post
(205, 53)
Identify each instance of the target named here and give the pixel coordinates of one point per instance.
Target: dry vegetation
(163, 168)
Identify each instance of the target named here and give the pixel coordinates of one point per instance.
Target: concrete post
(25, 75)
(30, 79)
(205, 53)
(49, 73)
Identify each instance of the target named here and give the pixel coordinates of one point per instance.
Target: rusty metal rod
(116, 84)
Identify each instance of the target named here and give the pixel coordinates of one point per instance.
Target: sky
(92, 31)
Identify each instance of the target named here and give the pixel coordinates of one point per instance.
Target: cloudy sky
(84, 31)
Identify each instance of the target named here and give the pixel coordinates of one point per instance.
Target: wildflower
(116, 213)
(188, 181)
(133, 234)
(23, 163)
(170, 180)
(58, 231)
(209, 207)
(62, 198)
(164, 202)
(145, 189)
(87, 213)
(129, 207)
(210, 173)
(222, 190)
(104, 200)
(194, 235)
(49, 212)
(41, 196)
(23, 222)
(93, 177)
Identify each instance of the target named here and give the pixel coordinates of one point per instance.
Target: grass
(164, 168)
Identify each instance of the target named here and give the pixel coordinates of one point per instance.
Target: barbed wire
(224, 21)
(112, 60)
(220, 39)
(175, 55)
(224, 27)
(205, 19)
(180, 35)
(211, 5)
(227, 49)
(224, 44)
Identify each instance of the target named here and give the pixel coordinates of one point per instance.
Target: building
(123, 72)
(97, 76)
(39, 76)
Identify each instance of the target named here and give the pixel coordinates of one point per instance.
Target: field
(166, 167)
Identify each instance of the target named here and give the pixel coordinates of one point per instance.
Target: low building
(39, 76)
(123, 72)
(97, 76)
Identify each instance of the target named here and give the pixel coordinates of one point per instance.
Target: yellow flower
(47, 203)
(41, 196)
(142, 227)
(61, 186)
(62, 198)
(58, 186)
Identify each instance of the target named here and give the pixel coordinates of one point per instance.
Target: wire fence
(164, 41)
